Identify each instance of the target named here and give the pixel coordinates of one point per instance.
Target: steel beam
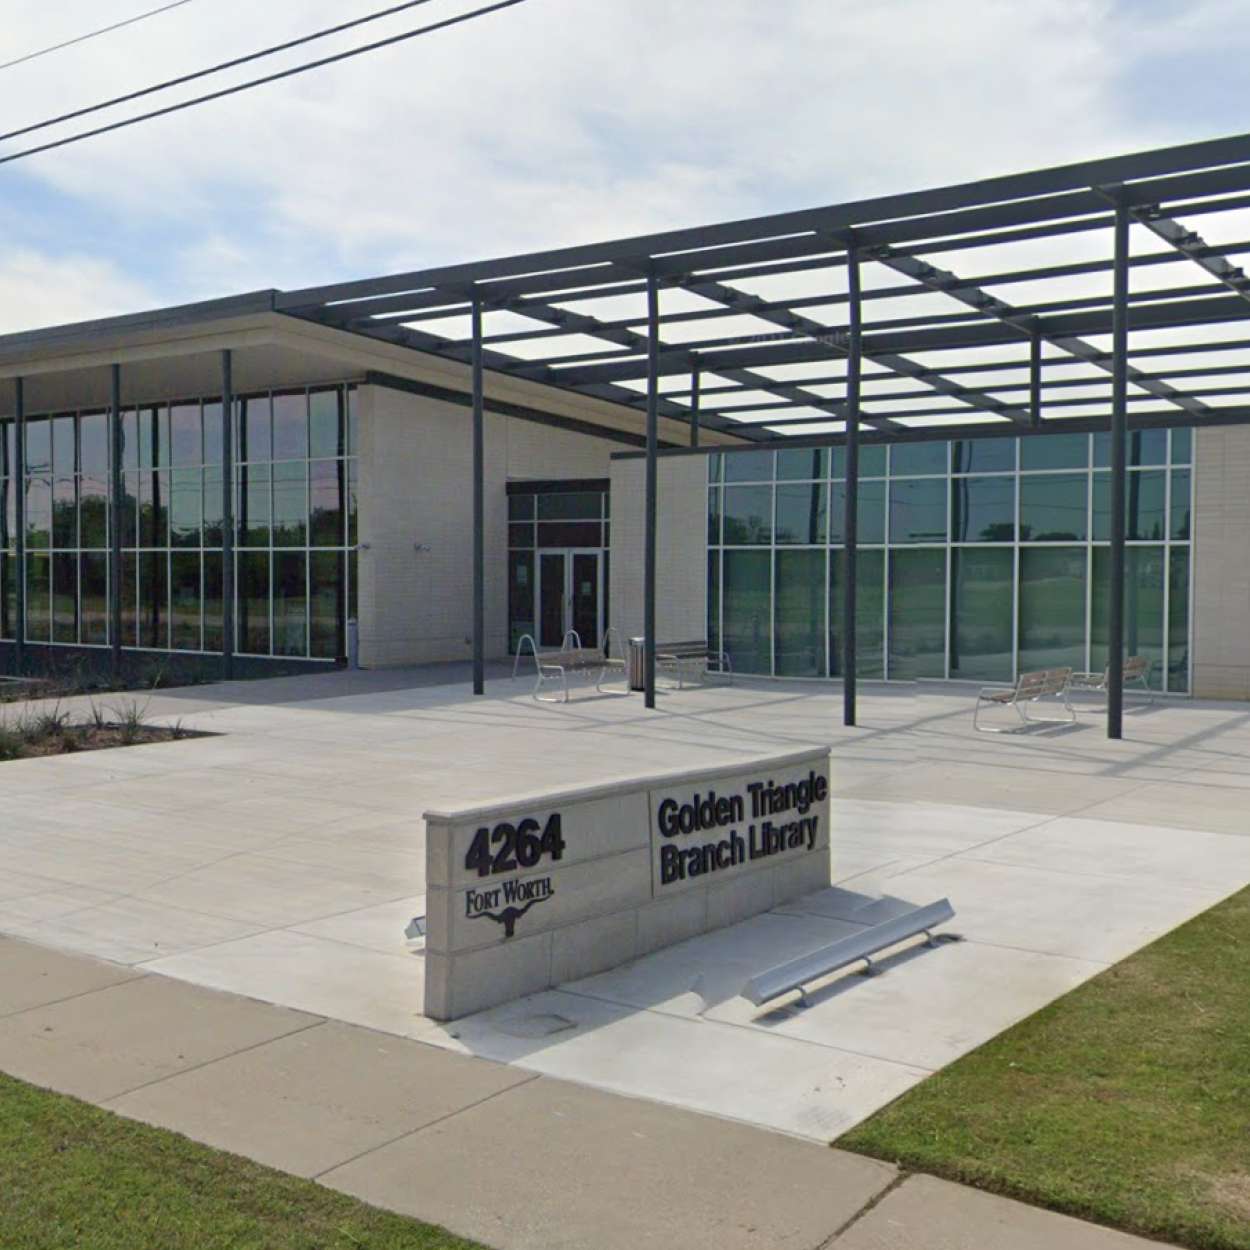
(1119, 417)
(649, 525)
(19, 483)
(695, 382)
(1192, 245)
(227, 515)
(991, 306)
(117, 494)
(479, 506)
(850, 520)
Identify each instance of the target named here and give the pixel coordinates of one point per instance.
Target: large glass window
(918, 511)
(747, 609)
(981, 613)
(869, 612)
(799, 649)
(1054, 507)
(1144, 619)
(917, 613)
(983, 509)
(1052, 608)
(802, 513)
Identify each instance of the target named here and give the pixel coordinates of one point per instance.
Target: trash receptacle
(636, 661)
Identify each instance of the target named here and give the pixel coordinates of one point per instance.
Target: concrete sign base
(544, 889)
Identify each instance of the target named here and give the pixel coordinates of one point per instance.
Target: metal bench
(1029, 688)
(795, 974)
(554, 668)
(1136, 669)
(693, 660)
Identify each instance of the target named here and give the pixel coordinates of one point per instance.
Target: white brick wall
(416, 460)
(1221, 560)
(681, 547)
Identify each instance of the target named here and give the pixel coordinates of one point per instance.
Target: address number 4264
(506, 847)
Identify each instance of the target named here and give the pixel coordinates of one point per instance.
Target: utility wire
(92, 34)
(213, 69)
(258, 82)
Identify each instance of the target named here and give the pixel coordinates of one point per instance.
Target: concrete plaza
(281, 859)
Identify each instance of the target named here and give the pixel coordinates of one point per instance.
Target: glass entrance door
(569, 595)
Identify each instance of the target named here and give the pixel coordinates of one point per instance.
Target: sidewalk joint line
(871, 1205)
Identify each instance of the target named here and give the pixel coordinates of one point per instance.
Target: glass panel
(351, 504)
(1052, 608)
(93, 443)
(65, 512)
(290, 426)
(325, 418)
(748, 514)
(872, 460)
(153, 437)
(749, 466)
(983, 509)
(520, 507)
(253, 506)
(918, 512)
(325, 604)
(984, 455)
(211, 417)
(800, 614)
(39, 445)
(1180, 504)
(801, 513)
(65, 597)
(153, 599)
(290, 603)
(129, 596)
(213, 507)
(713, 600)
(714, 505)
(520, 597)
(38, 512)
(1143, 447)
(1143, 608)
(290, 505)
(714, 466)
(186, 435)
(574, 506)
(255, 429)
(869, 613)
(94, 602)
(1054, 451)
(325, 490)
(803, 464)
(64, 450)
(39, 598)
(253, 602)
(1053, 508)
(185, 506)
(585, 605)
(1178, 620)
(1144, 506)
(981, 604)
(911, 458)
(521, 535)
(1182, 446)
(871, 513)
(130, 510)
(130, 440)
(570, 534)
(184, 600)
(551, 599)
(214, 631)
(8, 595)
(353, 431)
(154, 509)
(747, 609)
(94, 511)
(917, 614)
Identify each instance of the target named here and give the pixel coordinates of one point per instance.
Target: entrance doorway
(569, 594)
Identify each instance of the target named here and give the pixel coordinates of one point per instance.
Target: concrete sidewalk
(515, 1160)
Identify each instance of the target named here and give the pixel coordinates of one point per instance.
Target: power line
(258, 82)
(213, 69)
(92, 34)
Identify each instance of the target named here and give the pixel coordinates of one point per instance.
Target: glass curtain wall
(295, 509)
(977, 560)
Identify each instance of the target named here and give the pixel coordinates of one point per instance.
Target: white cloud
(38, 290)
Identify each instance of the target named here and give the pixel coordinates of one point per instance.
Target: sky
(554, 122)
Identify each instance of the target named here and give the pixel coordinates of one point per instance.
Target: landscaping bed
(38, 730)
(1126, 1101)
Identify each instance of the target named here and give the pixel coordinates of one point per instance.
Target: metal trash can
(636, 663)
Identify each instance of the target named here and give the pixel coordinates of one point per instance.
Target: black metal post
(19, 484)
(649, 540)
(850, 520)
(1119, 407)
(1035, 381)
(227, 514)
(479, 507)
(117, 495)
(695, 378)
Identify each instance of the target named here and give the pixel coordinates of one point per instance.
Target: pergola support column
(19, 485)
(850, 520)
(1119, 408)
(117, 496)
(695, 382)
(227, 514)
(479, 506)
(649, 523)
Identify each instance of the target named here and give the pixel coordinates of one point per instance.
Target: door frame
(567, 554)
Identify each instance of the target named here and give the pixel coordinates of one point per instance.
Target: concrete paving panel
(307, 1102)
(31, 976)
(103, 1044)
(513, 1172)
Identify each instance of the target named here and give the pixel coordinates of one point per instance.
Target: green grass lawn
(1127, 1101)
(72, 1175)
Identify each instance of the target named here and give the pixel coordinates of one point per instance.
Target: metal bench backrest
(1136, 667)
(1043, 682)
(690, 648)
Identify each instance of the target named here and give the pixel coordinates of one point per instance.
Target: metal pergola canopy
(987, 307)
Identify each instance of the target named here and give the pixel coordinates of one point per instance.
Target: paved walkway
(517, 1161)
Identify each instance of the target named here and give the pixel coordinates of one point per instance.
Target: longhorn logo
(508, 917)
